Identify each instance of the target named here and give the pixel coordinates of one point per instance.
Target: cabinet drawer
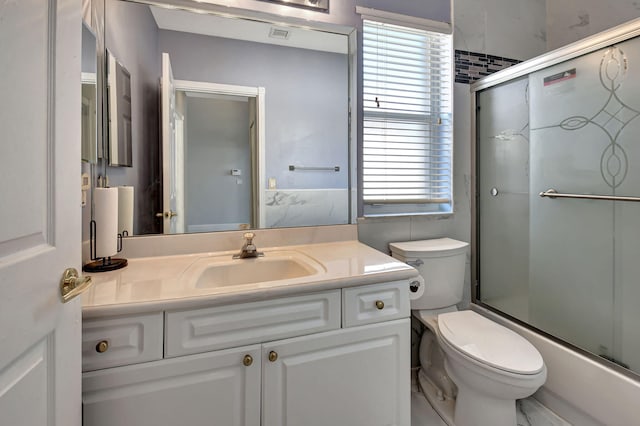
(375, 303)
(119, 341)
(208, 329)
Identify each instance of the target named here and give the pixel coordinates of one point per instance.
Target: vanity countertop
(158, 283)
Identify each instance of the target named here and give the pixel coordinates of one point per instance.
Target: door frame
(251, 92)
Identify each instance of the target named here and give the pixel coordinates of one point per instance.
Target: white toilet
(472, 369)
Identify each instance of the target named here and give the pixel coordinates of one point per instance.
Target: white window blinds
(407, 91)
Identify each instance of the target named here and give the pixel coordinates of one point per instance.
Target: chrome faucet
(249, 249)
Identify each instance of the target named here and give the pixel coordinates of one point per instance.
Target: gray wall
(306, 99)
(134, 44)
(88, 57)
(218, 142)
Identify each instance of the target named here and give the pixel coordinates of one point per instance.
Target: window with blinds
(407, 100)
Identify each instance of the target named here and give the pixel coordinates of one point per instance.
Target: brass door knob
(102, 346)
(379, 304)
(168, 214)
(273, 356)
(72, 284)
(248, 360)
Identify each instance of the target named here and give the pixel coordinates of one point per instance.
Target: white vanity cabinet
(291, 361)
(214, 388)
(351, 377)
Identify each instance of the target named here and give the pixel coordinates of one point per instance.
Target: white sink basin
(223, 271)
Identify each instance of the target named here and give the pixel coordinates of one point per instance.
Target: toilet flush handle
(415, 263)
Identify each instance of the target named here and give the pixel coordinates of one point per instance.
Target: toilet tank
(441, 263)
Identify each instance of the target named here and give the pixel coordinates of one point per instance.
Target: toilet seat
(489, 343)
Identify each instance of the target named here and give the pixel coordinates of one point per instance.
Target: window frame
(374, 208)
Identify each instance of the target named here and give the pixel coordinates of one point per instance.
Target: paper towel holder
(103, 264)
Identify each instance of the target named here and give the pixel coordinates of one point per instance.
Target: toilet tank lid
(489, 342)
(434, 247)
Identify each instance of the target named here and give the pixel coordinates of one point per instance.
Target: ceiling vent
(279, 33)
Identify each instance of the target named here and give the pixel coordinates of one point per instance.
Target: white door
(40, 214)
(169, 150)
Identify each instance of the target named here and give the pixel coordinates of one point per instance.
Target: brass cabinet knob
(102, 346)
(379, 304)
(248, 360)
(273, 356)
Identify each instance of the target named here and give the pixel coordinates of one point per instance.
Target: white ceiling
(248, 30)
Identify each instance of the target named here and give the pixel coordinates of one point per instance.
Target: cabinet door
(209, 389)
(356, 376)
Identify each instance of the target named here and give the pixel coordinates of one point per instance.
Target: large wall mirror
(235, 123)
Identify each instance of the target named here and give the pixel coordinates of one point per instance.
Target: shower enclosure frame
(585, 46)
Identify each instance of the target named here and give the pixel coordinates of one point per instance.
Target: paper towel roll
(125, 210)
(416, 287)
(106, 218)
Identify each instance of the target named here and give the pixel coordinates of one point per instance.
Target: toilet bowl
(491, 365)
(472, 369)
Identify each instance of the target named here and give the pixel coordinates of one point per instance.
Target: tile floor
(530, 413)
(422, 414)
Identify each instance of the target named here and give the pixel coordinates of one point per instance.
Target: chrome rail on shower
(552, 193)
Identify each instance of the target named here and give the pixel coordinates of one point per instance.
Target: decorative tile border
(472, 66)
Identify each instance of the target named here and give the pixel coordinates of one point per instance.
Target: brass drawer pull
(379, 304)
(273, 356)
(102, 346)
(248, 360)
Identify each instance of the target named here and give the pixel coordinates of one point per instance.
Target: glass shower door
(570, 267)
(503, 199)
(571, 240)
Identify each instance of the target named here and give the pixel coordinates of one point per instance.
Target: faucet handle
(249, 236)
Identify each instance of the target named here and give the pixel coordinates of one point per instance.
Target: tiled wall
(306, 207)
(472, 66)
(506, 28)
(572, 20)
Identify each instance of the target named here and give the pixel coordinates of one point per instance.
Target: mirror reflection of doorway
(218, 132)
(218, 190)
